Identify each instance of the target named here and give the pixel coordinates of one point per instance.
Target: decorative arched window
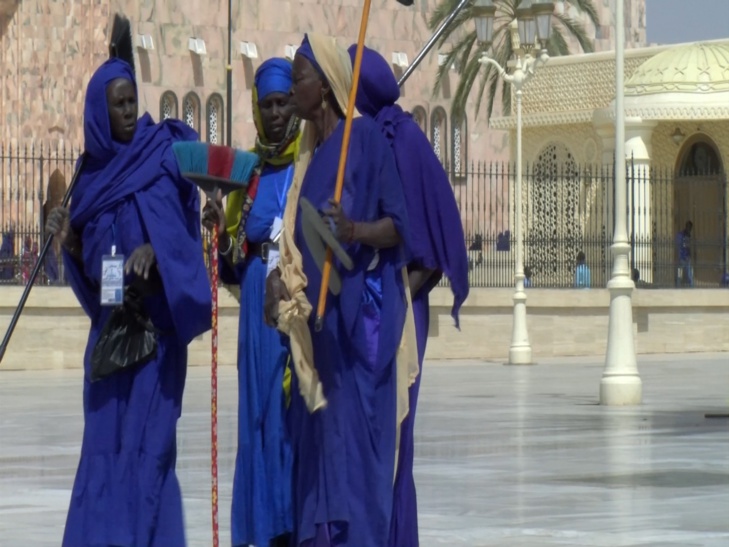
(699, 196)
(191, 111)
(439, 132)
(168, 105)
(215, 115)
(553, 225)
(459, 154)
(700, 158)
(421, 118)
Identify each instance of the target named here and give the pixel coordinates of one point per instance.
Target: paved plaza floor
(513, 456)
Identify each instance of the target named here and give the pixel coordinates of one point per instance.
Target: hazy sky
(675, 21)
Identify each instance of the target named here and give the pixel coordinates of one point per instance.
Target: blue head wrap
(307, 53)
(273, 76)
(113, 170)
(378, 87)
(97, 130)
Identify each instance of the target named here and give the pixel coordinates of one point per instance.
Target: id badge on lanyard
(112, 277)
(274, 255)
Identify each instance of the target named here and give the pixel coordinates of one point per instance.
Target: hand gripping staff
(356, 69)
(120, 46)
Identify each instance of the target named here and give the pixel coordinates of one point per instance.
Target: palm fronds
(465, 51)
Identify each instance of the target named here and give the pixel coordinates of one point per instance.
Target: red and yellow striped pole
(214, 388)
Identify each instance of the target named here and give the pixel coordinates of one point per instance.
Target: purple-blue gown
(344, 454)
(261, 508)
(126, 493)
(436, 243)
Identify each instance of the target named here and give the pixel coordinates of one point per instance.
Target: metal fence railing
(567, 209)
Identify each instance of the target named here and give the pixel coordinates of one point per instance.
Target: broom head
(120, 43)
(213, 167)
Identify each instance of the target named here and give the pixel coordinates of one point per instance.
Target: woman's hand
(343, 227)
(141, 261)
(58, 224)
(275, 292)
(213, 214)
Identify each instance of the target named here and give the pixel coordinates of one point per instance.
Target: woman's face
(307, 90)
(276, 111)
(121, 99)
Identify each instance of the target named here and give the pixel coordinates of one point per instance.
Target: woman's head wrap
(274, 76)
(377, 84)
(332, 63)
(98, 141)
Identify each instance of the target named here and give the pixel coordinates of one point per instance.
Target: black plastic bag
(128, 339)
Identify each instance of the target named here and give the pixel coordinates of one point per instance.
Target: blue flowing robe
(436, 243)
(262, 484)
(344, 455)
(126, 492)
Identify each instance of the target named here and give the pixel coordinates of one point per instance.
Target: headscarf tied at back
(273, 76)
(437, 240)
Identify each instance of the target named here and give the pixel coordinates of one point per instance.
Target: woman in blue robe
(344, 453)
(130, 198)
(437, 247)
(261, 512)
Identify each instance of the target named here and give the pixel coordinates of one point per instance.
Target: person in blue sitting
(582, 272)
(527, 277)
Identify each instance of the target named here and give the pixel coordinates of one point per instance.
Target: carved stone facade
(49, 49)
(677, 106)
(553, 208)
(568, 90)
(581, 111)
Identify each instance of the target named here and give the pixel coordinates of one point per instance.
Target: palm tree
(467, 50)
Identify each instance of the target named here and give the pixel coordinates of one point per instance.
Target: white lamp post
(620, 384)
(531, 28)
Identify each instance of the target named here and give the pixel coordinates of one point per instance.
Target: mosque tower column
(603, 121)
(638, 137)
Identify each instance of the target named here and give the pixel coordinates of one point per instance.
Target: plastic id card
(112, 280)
(274, 256)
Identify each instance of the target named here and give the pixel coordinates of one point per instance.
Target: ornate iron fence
(33, 180)
(567, 210)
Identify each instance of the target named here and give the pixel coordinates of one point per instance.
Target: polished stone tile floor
(517, 456)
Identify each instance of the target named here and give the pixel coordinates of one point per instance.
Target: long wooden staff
(327, 269)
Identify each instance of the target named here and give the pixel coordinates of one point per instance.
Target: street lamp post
(530, 29)
(620, 384)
